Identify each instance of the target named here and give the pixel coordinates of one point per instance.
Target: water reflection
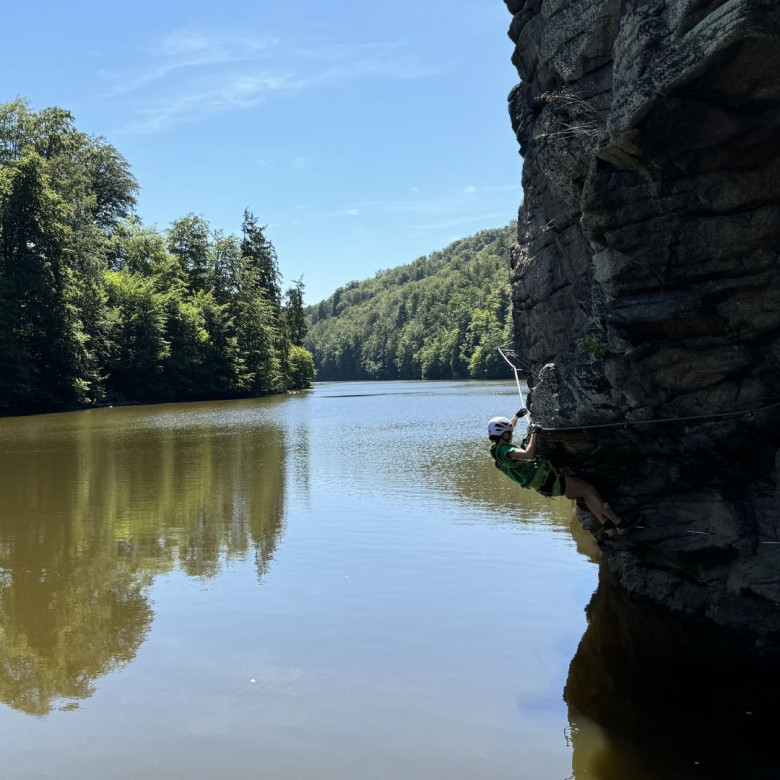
(651, 696)
(95, 505)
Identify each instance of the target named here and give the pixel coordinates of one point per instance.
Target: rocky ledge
(646, 284)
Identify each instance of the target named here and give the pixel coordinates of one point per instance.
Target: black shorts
(547, 488)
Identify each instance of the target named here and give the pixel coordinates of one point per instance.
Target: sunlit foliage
(96, 307)
(441, 317)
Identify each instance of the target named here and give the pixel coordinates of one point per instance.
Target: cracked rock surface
(646, 283)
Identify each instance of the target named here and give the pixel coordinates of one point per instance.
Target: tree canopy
(97, 307)
(441, 317)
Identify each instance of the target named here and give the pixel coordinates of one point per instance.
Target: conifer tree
(261, 255)
(294, 315)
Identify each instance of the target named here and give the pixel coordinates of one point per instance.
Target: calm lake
(337, 584)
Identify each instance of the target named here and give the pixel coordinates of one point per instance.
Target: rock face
(647, 285)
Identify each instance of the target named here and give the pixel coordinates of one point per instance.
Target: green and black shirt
(537, 474)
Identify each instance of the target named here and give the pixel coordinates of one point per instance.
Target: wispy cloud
(190, 74)
(207, 97)
(188, 50)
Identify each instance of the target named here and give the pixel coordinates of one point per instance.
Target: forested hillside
(96, 307)
(440, 317)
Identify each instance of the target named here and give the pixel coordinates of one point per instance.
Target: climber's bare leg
(579, 488)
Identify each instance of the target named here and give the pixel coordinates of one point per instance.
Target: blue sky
(363, 134)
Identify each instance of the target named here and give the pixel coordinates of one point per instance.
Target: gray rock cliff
(646, 283)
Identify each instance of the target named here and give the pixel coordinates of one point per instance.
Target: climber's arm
(529, 453)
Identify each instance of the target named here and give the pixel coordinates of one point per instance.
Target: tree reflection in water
(651, 696)
(91, 514)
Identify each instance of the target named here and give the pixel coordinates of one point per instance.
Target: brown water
(332, 585)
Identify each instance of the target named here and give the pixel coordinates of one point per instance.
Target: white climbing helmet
(499, 425)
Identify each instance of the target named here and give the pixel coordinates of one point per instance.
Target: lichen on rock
(646, 282)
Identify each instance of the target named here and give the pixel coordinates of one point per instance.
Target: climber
(522, 465)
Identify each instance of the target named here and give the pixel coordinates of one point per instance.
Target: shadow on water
(651, 696)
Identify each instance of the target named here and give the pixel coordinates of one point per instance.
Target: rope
(517, 378)
(627, 423)
(710, 533)
(525, 365)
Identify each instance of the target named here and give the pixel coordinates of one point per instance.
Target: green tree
(294, 315)
(301, 368)
(63, 194)
(140, 250)
(188, 241)
(187, 338)
(138, 324)
(256, 325)
(222, 368)
(34, 238)
(261, 255)
(226, 270)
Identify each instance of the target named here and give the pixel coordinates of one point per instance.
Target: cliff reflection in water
(653, 697)
(91, 513)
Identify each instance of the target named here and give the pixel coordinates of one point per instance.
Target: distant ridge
(440, 317)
